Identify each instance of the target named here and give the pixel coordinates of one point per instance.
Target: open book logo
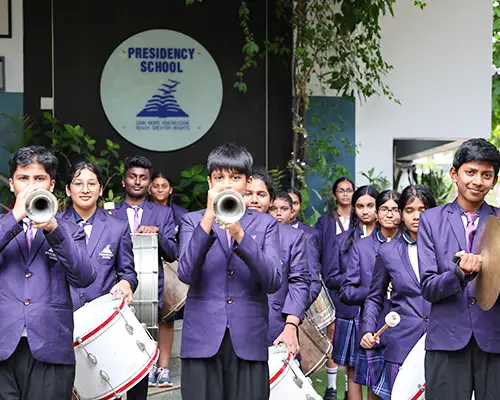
(164, 105)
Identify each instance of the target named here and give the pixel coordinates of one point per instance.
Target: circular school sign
(161, 90)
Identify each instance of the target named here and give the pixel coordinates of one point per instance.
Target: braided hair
(366, 190)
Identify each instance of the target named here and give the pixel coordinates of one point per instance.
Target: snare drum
(322, 311)
(113, 351)
(146, 265)
(174, 293)
(315, 347)
(286, 379)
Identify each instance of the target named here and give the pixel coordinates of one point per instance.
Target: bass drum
(113, 350)
(145, 303)
(322, 311)
(315, 347)
(286, 379)
(174, 293)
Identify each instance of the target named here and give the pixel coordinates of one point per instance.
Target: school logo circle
(161, 90)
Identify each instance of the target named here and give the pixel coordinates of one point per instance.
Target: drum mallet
(391, 320)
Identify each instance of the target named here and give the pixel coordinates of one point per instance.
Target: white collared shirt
(464, 221)
(345, 224)
(130, 216)
(413, 255)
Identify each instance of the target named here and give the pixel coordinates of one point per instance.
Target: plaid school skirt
(369, 366)
(383, 388)
(345, 348)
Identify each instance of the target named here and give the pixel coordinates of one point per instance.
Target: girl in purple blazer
(370, 363)
(161, 190)
(397, 265)
(109, 245)
(362, 224)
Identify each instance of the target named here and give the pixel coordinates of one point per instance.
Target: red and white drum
(113, 350)
(410, 382)
(286, 379)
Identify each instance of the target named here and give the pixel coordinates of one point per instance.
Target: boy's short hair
(284, 196)
(261, 174)
(138, 162)
(477, 150)
(297, 193)
(230, 157)
(34, 155)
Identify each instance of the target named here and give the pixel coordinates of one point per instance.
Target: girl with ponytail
(362, 223)
(397, 266)
(354, 290)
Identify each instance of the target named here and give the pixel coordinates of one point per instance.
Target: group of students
(402, 253)
(252, 281)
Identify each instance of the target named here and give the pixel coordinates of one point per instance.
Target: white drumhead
(92, 314)
(411, 377)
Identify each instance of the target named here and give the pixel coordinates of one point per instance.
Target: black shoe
(330, 394)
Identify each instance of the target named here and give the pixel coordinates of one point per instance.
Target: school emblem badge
(106, 253)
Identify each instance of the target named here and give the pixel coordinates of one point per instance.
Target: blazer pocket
(277, 306)
(64, 307)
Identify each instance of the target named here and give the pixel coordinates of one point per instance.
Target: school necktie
(470, 230)
(83, 224)
(137, 222)
(28, 231)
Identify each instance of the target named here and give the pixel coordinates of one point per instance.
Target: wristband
(293, 324)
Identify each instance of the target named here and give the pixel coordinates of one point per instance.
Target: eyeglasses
(346, 191)
(383, 211)
(91, 186)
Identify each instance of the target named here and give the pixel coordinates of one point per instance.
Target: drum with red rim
(286, 379)
(113, 350)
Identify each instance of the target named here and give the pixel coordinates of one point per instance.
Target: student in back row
(288, 305)
(146, 217)
(329, 227)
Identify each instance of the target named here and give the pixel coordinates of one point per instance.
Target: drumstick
(391, 320)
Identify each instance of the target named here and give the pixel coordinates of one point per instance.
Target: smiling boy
(462, 344)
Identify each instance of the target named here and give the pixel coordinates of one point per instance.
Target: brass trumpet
(229, 207)
(41, 206)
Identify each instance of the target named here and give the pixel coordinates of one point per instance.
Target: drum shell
(315, 347)
(116, 350)
(322, 311)
(174, 293)
(145, 301)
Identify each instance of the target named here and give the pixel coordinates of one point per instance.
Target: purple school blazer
(36, 288)
(228, 286)
(393, 265)
(313, 250)
(160, 216)
(110, 250)
(359, 274)
(292, 298)
(335, 272)
(327, 230)
(455, 315)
